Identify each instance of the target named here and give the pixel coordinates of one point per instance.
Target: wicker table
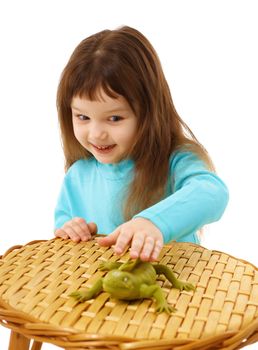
(36, 279)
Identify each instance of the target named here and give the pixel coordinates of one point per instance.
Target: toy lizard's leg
(163, 269)
(88, 294)
(109, 265)
(129, 265)
(156, 292)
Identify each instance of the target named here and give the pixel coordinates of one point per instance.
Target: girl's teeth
(103, 147)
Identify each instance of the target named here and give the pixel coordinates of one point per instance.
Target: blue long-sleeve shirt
(95, 191)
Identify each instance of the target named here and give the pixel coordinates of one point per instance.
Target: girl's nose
(97, 132)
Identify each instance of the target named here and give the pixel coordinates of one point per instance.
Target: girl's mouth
(103, 149)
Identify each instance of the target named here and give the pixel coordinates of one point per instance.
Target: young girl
(134, 169)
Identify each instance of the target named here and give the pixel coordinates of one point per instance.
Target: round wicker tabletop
(36, 280)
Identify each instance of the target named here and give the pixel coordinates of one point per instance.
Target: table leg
(18, 341)
(36, 345)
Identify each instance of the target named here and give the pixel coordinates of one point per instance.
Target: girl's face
(106, 127)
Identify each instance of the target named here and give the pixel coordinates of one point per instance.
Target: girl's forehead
(102, 100)
(96, 92)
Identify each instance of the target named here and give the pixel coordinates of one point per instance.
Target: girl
(134, 168)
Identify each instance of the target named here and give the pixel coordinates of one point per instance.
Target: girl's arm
(199, 197)
(63, 211)
(67, 226)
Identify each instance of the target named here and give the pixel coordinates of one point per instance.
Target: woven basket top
(36, 280)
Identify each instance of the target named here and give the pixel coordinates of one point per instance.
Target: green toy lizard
(134, 279)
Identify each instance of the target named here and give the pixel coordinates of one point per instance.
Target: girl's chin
(108, 160)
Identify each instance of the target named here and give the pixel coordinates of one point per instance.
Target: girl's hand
(145, 239)
(77, 229)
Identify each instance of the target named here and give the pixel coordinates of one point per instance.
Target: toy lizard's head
(121, 284)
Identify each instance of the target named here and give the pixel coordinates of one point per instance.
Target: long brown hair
(123, 62)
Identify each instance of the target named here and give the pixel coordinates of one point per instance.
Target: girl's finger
(71, 232)
(81, 228)
(93, 228)
(61, 233)
(110, 239)
(156, 251)
(147, 249)
(137, 244)
(123, 239)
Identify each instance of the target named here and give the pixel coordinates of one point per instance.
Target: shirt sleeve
(63, 210)
(199, 197)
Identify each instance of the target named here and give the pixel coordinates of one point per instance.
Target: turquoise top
(94, 191)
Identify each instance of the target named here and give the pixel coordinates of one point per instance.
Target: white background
(209, 54)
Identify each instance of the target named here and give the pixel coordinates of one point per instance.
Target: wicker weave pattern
(36, 279)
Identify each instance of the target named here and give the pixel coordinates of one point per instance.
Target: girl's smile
(103, 149)
(105, 127)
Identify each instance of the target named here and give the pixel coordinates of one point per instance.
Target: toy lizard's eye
(125, 279)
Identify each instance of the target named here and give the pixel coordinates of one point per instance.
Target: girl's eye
(82, 117)
(115, 118)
